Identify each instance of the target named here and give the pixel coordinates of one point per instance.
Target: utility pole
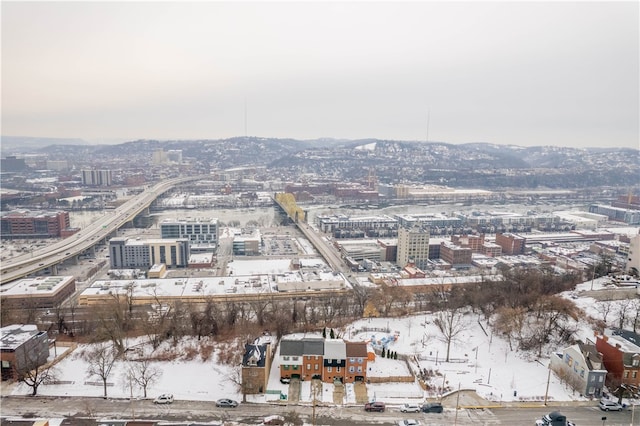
(455, 421)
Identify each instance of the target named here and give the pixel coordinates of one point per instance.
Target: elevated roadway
(86, 238)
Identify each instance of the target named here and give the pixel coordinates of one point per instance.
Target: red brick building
(621, 356)
(511, 244)
(33, 224)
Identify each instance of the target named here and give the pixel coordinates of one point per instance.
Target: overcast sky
(523, 73)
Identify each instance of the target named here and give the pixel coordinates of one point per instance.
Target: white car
(166, 398)
(409, 422)
(410, 408)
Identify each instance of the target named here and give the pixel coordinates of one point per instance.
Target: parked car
(374, 406)
(409, 422)
(609, 405)
(554, 418)
(410, 408)
(432, 407)
(165, 398)
(226, 403)
(273, 420)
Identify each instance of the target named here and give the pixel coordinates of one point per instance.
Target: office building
(126, 253)
(33, 224)
(201, 233)
(413, 247)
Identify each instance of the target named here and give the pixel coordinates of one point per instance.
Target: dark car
(374, 406)
(432, 407)
(226, 403)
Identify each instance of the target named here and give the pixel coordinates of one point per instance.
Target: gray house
(581, 367)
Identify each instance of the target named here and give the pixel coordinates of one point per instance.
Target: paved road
(251, 414)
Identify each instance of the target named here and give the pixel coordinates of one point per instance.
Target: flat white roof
(40, 286)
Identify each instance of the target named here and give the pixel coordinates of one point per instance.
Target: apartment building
(455, 255)
(413, 247)
(203, 234)
(127, 253)
(633, 256)
(620, 351)
(97, 177)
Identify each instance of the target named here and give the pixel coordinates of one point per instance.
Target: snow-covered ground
(479, 360)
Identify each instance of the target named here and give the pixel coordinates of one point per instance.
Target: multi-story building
(202, 233)
(511, 244)
(247, 243)
(33, 224)
(22, 348)
(335, 223)
(335, 360)
(256, 364)
(97, 177)
(328, 360)
(455, 255)
(618, 214)
(581, 367)
(356, 363)
(633, 256)
(413, 247)
(474, 242)
(127, 253)
(621, 356)
(312, 358)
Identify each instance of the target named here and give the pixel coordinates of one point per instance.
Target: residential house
(620, 351)
(356, 362)
(22, 348)
(581, 367)
(256, 364)
(291, 358)
(335, 360)
(313, 355)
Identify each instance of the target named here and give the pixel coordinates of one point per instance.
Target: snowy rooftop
(41, 286)
(12, 336)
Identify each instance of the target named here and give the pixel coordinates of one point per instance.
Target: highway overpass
(86, 238)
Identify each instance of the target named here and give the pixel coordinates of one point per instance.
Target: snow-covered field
(479, 360)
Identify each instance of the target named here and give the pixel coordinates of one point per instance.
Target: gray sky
(523, 73)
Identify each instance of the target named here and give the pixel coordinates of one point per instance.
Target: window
(634, 374)
(600, 379)
(359, 369)
(337, 369)
(295, 358)
(352, 360)
(316, 367)
(329, 369)
(286, 367)
(308, 366)
(295, 367)
(286, 358)
(626, 374)
(636, 362)
(352, 369)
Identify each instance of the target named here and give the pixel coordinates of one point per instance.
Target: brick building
(621, 356)
(33, 224)
(256, 364)
(511, 244)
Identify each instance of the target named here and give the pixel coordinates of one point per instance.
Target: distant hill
(16, 144)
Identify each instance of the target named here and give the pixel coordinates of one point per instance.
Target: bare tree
(143, 373)
(450, 324)
(623, 308)
(101, 359)
(32, 371)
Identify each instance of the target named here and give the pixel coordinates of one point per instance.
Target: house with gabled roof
(582, 368)
(256, 364)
